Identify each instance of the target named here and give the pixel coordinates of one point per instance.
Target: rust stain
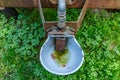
(67, 1)
(21, 2)
(35, 2)
(49, 24)
(53, 57)
(1, 3)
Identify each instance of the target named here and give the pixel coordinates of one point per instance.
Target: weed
(20, 42)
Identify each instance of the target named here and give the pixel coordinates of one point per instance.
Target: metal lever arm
(82, 14)
(41, 13)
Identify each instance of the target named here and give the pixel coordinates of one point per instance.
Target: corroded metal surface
(111, 4)
(48, 25)
(82, 14)
(74, 24)
(67, 1)
(60, 44)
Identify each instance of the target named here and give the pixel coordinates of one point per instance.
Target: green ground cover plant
(21, 39)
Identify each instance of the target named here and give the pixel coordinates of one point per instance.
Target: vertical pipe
(61, 14)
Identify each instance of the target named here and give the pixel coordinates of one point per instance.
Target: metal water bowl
(76, 57)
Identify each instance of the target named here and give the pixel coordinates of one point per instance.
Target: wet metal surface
(52, 62)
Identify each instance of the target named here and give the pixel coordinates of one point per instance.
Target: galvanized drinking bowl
(75, 59)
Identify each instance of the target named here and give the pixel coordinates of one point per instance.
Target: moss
(61, 57)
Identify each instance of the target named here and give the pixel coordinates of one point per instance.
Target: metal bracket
(73, 24)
